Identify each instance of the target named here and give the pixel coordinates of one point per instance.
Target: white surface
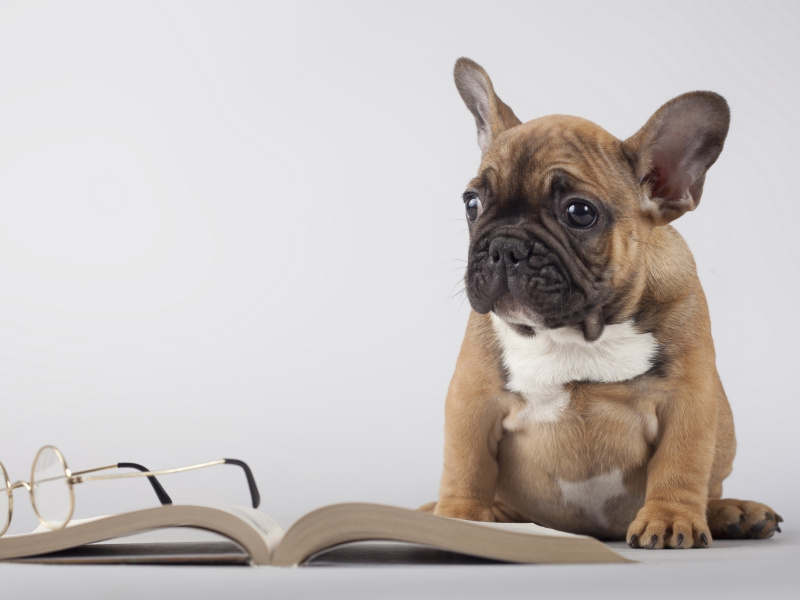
(235, 229)
(731, 570)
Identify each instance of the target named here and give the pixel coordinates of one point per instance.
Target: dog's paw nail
(704, 539)
(632, 540)
(779, 518)
(653, 542)
(778, 528)
(680, 540)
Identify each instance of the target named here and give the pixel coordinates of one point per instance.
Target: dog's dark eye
(581, 215)
(474, 208)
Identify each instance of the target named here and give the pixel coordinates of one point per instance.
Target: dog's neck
(539, 366)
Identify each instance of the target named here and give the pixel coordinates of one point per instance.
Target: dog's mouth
(527, 322)
(516, 315)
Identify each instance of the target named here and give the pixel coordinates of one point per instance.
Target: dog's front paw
(739, 519)
(463, 508)
(670, 526)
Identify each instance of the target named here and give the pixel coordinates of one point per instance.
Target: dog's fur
(586, 395)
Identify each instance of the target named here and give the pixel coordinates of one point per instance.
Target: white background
(235, 229)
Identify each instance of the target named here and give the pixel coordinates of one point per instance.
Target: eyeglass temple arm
(255, 497)
(163, 497)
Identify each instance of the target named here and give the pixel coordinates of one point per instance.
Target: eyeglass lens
(50, 490)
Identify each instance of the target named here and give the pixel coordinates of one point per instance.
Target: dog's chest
(539, 367)
(579, 465)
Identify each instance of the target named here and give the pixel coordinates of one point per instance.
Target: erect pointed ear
(492, 115)
(673, 151)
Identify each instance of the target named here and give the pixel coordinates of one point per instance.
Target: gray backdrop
(235, 229)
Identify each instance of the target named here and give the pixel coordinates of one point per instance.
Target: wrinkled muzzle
(524, 281)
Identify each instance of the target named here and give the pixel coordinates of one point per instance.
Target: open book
(259, 540)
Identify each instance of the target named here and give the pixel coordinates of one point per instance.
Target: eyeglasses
(51, 485)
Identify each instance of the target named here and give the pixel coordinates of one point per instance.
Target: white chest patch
(539, 366)
(592, 494)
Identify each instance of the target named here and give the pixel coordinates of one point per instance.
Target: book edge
(218, 520)
(337, 524)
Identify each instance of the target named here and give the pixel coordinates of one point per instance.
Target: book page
(263, 523)
(268, 527)
(253, 531)
(530, 529)
(338, 524)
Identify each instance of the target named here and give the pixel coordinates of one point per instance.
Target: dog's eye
(581, 215)
(474, 208)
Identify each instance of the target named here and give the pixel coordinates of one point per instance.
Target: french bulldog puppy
(586, 396)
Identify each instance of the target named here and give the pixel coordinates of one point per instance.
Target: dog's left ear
(674, 149)
(492, 115)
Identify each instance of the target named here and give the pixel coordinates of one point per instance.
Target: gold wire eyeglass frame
(80, 476)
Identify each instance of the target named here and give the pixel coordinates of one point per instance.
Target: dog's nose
(508, 250)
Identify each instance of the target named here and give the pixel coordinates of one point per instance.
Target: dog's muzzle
(523, 267)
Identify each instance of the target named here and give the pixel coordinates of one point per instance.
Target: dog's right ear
(672, 152)
(492, 115)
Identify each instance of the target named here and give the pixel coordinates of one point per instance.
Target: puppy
(586, 396)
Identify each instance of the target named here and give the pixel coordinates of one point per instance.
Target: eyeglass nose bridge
(20, 484)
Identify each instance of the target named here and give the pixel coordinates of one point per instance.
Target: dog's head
(560, 209)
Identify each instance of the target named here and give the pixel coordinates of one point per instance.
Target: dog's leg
(679, 472)
(729, 518)
(474, 412)
(739, 519)
(470, 470)
(506, 514)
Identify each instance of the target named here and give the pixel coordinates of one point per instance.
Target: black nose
(508, 250)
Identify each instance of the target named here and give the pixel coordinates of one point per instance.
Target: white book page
(530, 528)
